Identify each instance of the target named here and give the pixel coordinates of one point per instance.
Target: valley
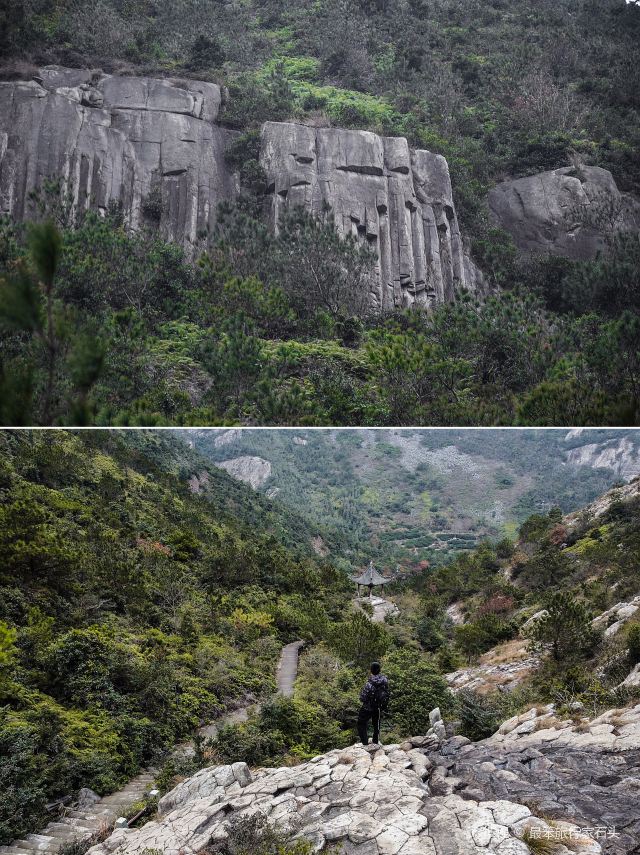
(408, 496)
(167, 628)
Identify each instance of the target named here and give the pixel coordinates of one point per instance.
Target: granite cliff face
(568, 212)
(396, 199)
(621, 456)
(153, 147)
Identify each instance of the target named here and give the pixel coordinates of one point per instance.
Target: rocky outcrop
(627, 494)
(379, 608)
(611, 621)
(227, 437)
(150, 146)
(581, 770)
(632, 680)
(503, 677)
(374, 802)
(570, 783)
(569, 212)
(397, 200)
(621, 456)
(153, 147)
(252, 470)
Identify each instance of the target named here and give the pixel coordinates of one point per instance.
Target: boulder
(569, 212)
(86, 798)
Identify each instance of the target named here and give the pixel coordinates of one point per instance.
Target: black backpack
(380, 695)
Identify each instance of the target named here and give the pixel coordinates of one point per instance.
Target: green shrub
(415, 689)
(254, 835)
(633, 644)
(565, 628)
(479, 716)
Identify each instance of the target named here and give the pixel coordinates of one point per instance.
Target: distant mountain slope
(169, 451)
(412, 495)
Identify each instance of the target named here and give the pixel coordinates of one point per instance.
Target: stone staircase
(77, 826)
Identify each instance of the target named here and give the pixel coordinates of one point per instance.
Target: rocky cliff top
(537, 778)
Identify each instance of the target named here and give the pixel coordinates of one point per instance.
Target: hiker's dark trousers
(363, 725)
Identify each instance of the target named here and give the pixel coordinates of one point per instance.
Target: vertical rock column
(150, 146)
(397, 201)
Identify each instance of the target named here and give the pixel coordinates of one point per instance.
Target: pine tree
(564, 629)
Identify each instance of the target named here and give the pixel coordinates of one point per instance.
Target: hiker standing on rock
(374, 698)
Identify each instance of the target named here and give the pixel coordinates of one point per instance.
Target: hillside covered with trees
(102, 326)
(405, 497)
(132, 610)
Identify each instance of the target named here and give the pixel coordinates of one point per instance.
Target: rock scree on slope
(537, 776)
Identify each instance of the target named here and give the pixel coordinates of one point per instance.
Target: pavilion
(370, 578)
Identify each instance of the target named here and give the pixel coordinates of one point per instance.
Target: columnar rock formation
(149, 146)
(537, 778)
(153, 148)
(397, 200)
(569, 212)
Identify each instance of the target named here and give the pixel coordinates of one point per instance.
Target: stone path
(288, 668)
(76, 826)
(286, 674)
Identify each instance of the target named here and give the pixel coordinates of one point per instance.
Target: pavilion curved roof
(370, 577)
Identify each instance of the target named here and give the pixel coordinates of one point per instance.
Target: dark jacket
(375, 693)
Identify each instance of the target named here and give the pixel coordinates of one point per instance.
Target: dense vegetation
(130, 611)
(136, 335)
(103, 327)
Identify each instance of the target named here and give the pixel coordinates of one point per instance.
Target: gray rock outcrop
(584, 770)
(569, 212)
(390, 800)
(621, 456)
(615, 618)
(626, 494)
(150, 146)
(573, 783)
(504, 676)
(153, 147)
(397, 200)
(251, 470)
